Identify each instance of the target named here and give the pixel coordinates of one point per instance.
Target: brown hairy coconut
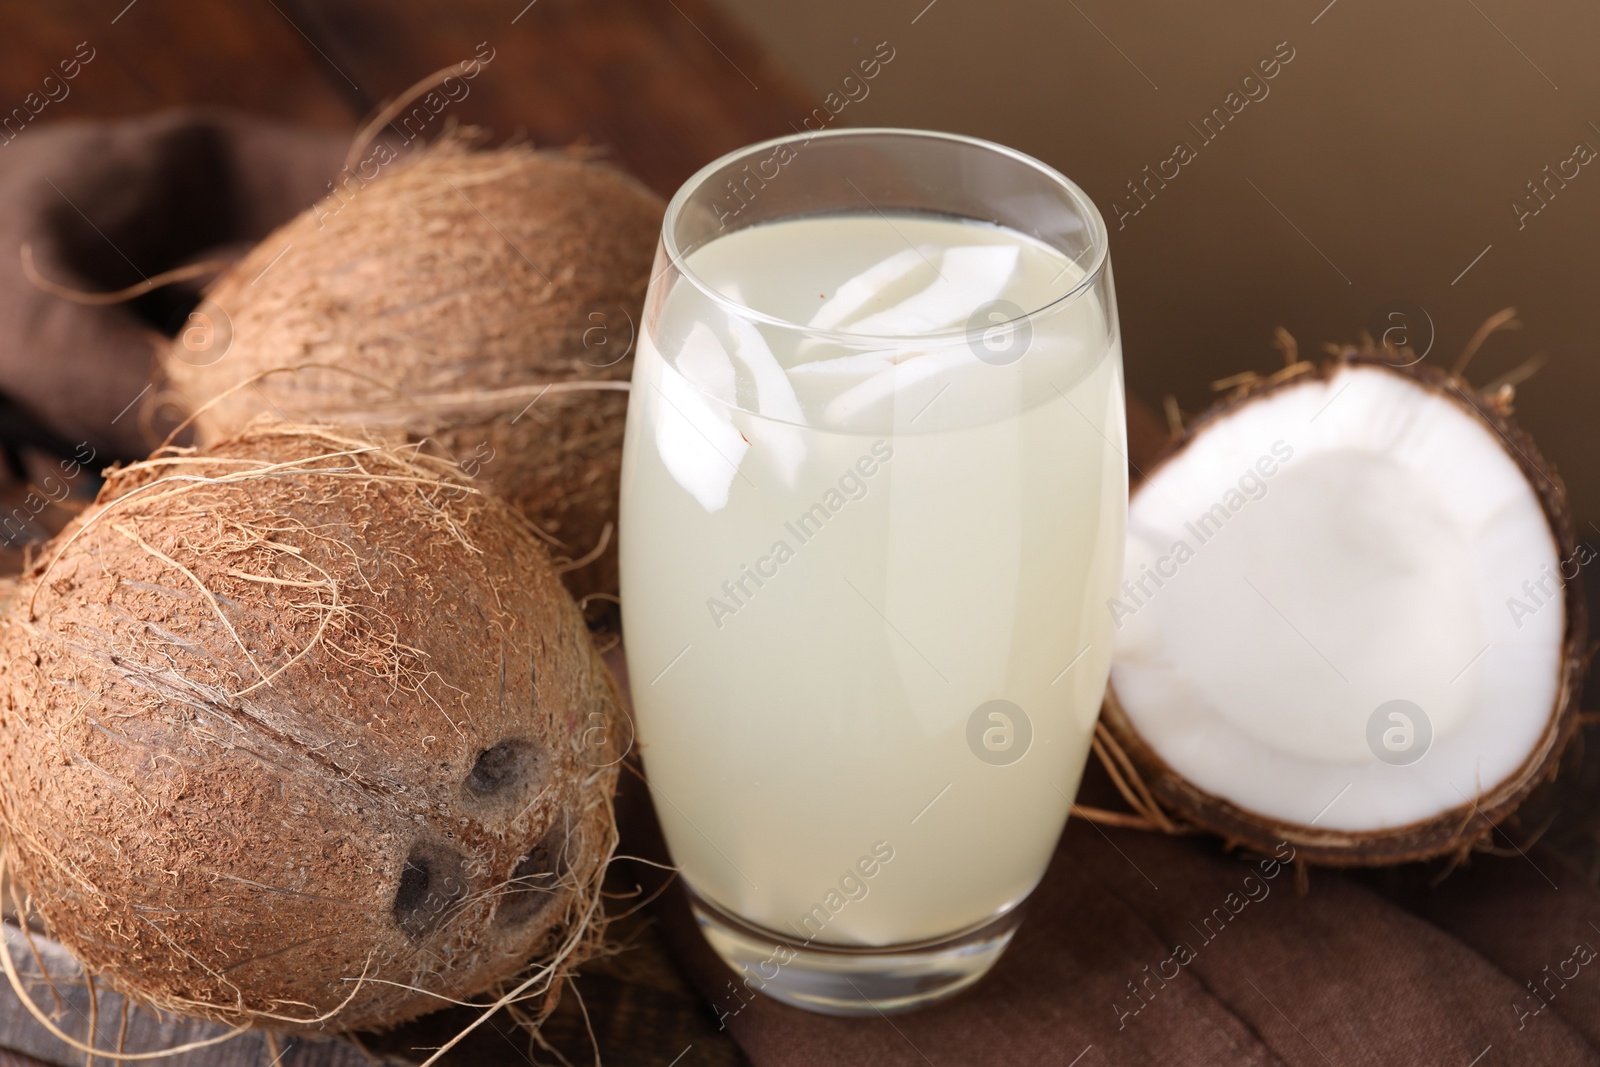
(1349, 623)
(485, 300)
(302, 731)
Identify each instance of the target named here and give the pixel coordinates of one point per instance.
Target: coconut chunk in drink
(920, 376)
(856, 364)
(968, 278)
(695, 436)
(777, 433)
(852, 296)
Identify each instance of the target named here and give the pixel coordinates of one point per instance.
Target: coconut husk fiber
(485, 301)
(304, 732)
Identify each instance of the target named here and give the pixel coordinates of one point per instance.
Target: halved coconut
(1344, 623)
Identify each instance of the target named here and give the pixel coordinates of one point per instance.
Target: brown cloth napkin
(1497, 963)
(1494, 965)
(1342, 976)
(105, 205)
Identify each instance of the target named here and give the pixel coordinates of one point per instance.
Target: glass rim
(1099, 238)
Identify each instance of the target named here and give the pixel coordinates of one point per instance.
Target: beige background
(1394, 141)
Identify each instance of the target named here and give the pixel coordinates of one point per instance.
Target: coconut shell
(436, 302)
(1453, 832)
(304, 732)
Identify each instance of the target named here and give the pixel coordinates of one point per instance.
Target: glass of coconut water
(873, 499)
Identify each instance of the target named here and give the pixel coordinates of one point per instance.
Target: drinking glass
(873, 500)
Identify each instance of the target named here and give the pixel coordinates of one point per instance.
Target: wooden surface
(659, 86)
(662, 86)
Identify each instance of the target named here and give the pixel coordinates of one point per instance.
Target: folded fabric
(1139, 947)
(104, 205)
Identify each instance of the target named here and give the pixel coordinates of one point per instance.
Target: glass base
(848, 979)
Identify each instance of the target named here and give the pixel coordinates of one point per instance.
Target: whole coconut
(486, 300)
(299, 730)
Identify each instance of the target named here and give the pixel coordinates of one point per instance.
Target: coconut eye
(536, 877)
(502, 768)
(430, 883)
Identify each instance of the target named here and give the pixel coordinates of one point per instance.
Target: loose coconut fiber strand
(1147, 813)
(392, 406)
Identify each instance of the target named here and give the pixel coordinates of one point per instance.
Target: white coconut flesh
(1319, 551)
